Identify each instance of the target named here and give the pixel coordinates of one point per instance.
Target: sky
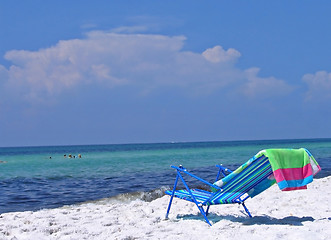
(113, 72)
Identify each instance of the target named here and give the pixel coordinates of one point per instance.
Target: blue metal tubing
(179, 170)
(222, 170)
(172, 196)
(200, 206)
(242, 202)
(207, 211)
(195, 201)
(249, 214)
(245, 198)
(192, 175)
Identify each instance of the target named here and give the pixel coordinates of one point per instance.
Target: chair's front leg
(246, 209)
(172, 195)
(203, 213)
(207, 211)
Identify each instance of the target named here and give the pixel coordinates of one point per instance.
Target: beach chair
(292, 169)
(250, 179)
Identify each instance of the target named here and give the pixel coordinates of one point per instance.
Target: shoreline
(299, 214)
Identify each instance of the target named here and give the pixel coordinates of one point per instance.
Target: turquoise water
(41, 177)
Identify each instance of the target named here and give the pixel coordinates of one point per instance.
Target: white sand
(304, 214)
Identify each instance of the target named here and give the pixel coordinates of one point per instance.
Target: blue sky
(92, 72)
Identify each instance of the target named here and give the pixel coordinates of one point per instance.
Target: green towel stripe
(287, 158)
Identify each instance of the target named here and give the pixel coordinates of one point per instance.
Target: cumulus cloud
(218, 54)
(101, 57)
(147, 61)
(319, 85)
(269, 86)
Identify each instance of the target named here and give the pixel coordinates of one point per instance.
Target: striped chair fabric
(231, 192)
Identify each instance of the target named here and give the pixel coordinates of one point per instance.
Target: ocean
(33, 178)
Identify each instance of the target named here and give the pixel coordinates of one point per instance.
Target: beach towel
(293, 169)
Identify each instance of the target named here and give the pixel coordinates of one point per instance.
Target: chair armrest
(183, 170)
(222, 170)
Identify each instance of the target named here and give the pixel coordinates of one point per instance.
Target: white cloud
(264, 87)
(218, 54)
(319, 85)
(143, 60)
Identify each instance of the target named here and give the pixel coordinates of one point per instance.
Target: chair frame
(222, 171)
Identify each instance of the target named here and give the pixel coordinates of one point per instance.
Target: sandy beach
(303, 214)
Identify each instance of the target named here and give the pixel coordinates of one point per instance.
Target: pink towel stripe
(295, 188)
(293, 173)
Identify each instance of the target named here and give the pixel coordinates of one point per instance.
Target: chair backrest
(250, 178)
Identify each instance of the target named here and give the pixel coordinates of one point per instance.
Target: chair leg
(207, 211)
(200, 207)
(249, 214)
(204, 214)
(172, 196)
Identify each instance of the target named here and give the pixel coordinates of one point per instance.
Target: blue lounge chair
(247, 181)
